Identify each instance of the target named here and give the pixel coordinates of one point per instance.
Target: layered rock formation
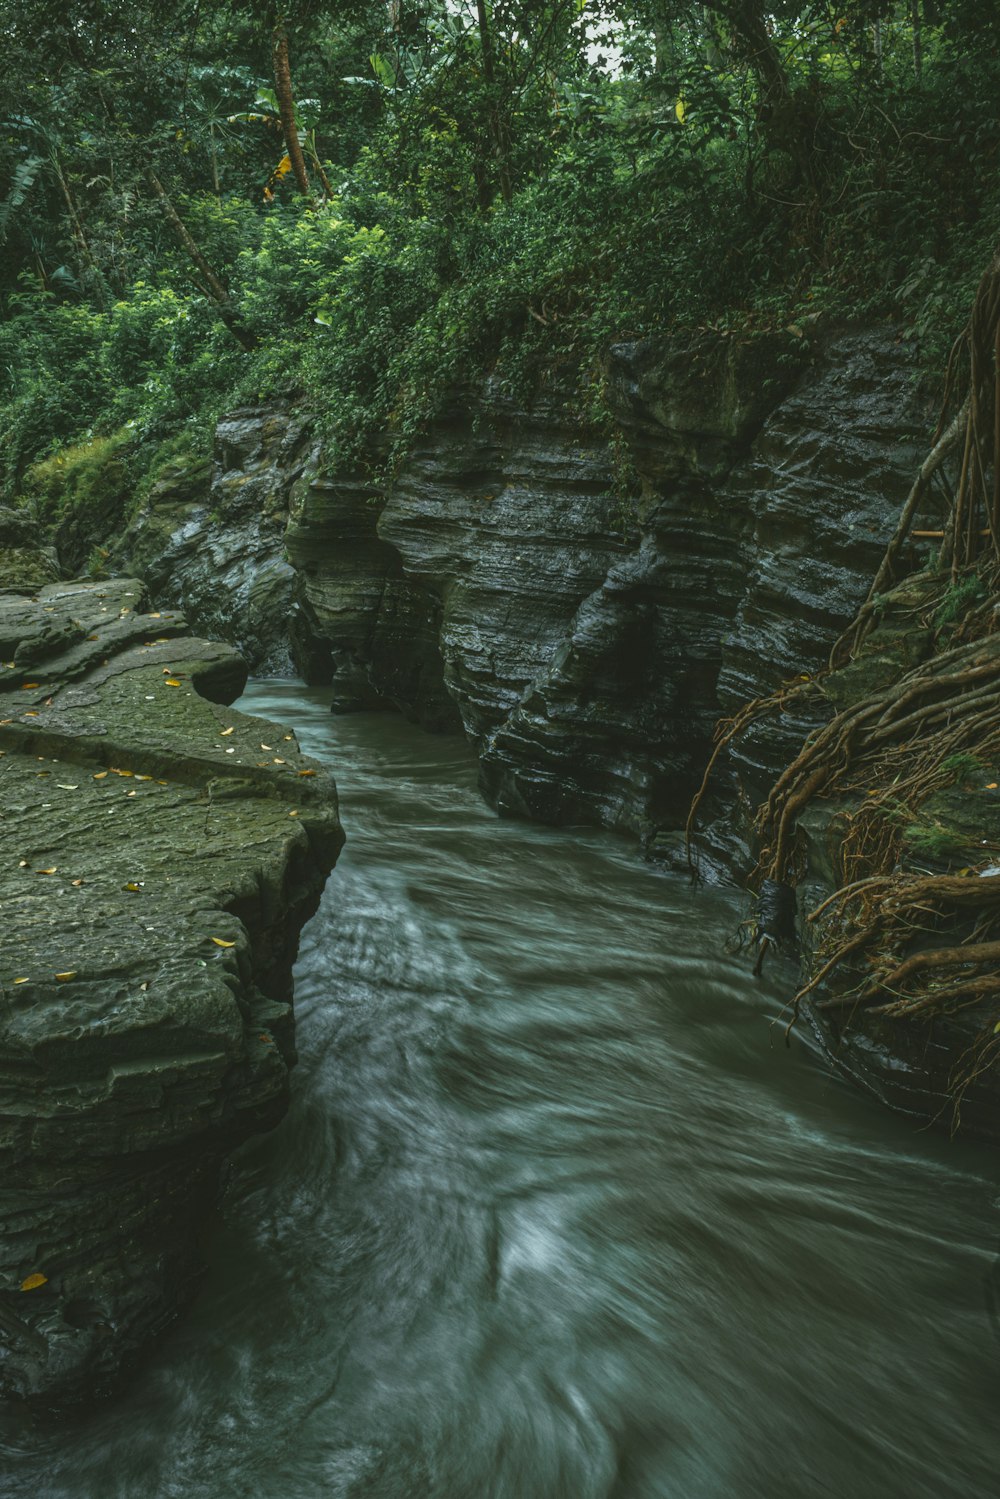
(161, 854)
(209, 536)
(586, 608)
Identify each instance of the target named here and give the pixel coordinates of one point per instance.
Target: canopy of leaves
(493, 185)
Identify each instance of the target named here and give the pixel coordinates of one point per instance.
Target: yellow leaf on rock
(219, 942)
(99, 775)
(28, 686)
(171, 682)
(64, 977)
(307, 772)
(226, 732)
(47, 871)
(21, 981)
(991, 785)
(34, 1281)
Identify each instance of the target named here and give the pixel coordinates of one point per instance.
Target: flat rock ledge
(160, 855)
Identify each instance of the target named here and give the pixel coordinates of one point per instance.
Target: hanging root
(896, 941)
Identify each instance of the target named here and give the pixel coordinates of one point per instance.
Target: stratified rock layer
(209, 536)
(587, 609)
(160, 856)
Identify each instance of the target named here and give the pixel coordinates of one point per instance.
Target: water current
(554, 1214)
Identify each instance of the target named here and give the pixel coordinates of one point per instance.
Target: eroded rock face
(210, 537)
(588, 632)
(24, 561)
(158, 865)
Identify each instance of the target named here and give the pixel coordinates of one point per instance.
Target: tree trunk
(918, 41)
(213, 287)
(781, 114)
(286, 108)
(497, 133)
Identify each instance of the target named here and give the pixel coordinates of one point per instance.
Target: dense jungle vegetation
(212, 202)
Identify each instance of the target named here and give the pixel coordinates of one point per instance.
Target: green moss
(79, 476)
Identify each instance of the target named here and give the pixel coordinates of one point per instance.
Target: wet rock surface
(210, 536)
(587, 610)
(161, 853)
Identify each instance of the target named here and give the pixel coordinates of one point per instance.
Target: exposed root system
(899, 940)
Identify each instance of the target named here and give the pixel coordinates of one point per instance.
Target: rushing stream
(554, 1215)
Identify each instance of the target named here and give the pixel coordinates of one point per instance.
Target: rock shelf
(160, 856)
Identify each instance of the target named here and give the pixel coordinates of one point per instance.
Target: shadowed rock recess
(160, 856)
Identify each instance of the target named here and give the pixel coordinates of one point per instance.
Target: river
(554, 1214)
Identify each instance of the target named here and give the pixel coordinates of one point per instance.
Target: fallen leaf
(154, 616)
(65, 977)
(29, 715)
(267, 746)
(93, 637)
(144, 778)
(130, 793)
(24, 863)
(144, 986)
(307, 772)
(991, 785)
(21, 981)
(46, 871)
(171, 682)
(76, 882)
(99, 775)
(289, 736)
(226, 732)
(293, 814)
(28, 686)
(220, 943)
(277, 761)
(66, 788)
(34, 1281)
(131, 885)
(230, 752)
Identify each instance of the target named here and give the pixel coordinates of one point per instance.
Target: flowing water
(554, 1215)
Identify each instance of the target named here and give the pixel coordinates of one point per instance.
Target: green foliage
(958, 600)
(512, 191)
(79, 476)
(963, 767)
